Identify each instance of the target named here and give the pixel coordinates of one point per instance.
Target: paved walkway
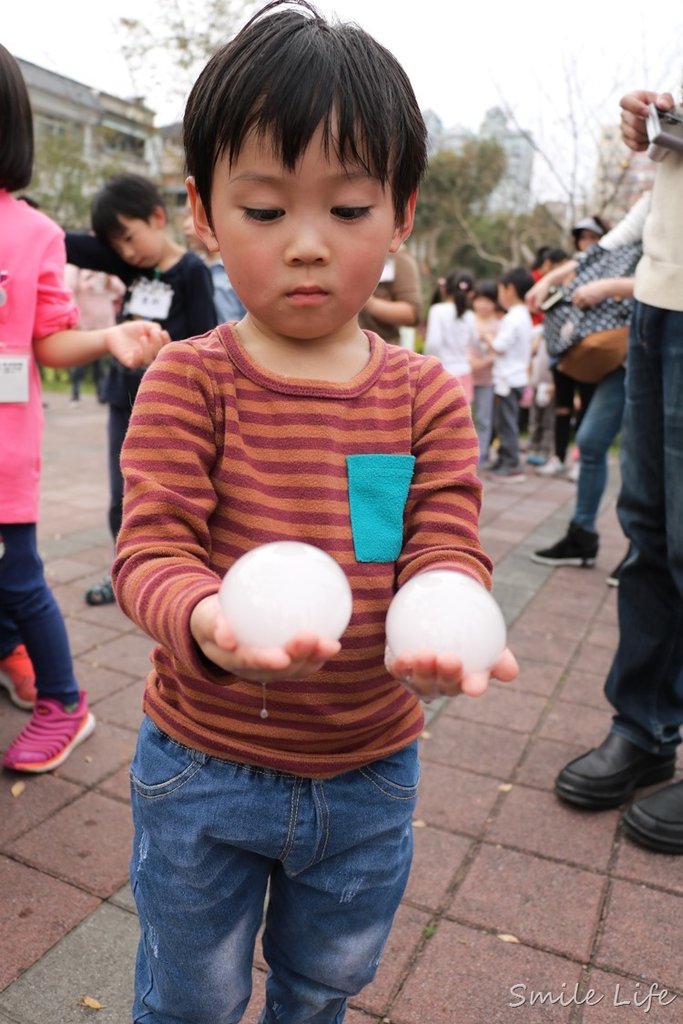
(513, 895)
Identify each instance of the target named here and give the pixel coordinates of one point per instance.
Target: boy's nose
(306, 245)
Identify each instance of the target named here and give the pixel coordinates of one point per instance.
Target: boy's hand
(135, 342)
(303, 655)
(432, 675)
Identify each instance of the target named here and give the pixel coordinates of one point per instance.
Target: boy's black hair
(520, 278)
(16, 126)
(540, 257)
(289, 71)
(556, 255)
(124, 195)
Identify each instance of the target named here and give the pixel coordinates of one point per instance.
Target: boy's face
(304, 249)
(141, 242)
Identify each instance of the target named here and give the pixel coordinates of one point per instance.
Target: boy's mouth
(307, 295)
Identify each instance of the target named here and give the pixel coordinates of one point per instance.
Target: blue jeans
(645, 682)
(29, 608)
(211, 836)
(506, 422)
(599, 427)
(483, 418)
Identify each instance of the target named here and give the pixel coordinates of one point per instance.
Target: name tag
(150, 300)
(13, 377)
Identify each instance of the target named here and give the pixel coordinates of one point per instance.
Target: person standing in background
(98, 297)
(645, 682)
(397, 300)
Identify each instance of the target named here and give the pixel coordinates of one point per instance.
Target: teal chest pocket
(378, 490)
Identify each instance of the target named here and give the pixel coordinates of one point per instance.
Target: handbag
(596, 355)
(565, 325)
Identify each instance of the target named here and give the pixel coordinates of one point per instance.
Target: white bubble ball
(448, 613)
(276, 590)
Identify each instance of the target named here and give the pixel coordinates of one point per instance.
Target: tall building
(513, 192)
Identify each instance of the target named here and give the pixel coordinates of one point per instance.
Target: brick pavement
(512, 894)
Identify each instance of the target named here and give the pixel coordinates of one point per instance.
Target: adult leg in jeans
(645, 682)
(599, 428)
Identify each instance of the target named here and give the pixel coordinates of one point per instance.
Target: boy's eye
(350, 212)
(262, 216)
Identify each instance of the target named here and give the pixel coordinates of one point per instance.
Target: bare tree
(170, 51)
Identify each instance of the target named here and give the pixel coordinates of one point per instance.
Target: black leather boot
(607, 775)
(656, 821)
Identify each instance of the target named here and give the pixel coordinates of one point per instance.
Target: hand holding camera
(664, 131)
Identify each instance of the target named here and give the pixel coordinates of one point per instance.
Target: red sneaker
(18, 678)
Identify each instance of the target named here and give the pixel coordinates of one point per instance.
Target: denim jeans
(212, 837)
(645, 682)
(599, 427)
(29, 607)
(506, 421)
(483, 418)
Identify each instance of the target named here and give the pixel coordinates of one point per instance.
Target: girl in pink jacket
(37, 321)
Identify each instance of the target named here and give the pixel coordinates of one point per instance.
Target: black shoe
(607, 775)
(578, 547)
(656, 821)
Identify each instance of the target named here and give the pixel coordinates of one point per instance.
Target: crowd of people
(289, 304)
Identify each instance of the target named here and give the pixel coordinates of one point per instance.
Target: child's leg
(328, 920)
(209, 833)
(507, 427)
(28, 601)
(483, 415)
(198, 881)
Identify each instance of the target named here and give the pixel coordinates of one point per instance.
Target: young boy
(512, 349)
(293, 424)
(164, 283)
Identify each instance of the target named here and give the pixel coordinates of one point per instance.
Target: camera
(665, 131)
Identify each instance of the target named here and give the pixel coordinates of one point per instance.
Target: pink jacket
(36, 304)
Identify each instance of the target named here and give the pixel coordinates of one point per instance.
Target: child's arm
(134, 344)
(88, 252)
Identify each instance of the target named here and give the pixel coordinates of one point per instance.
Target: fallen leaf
(508, 938)
(94, 1004)
(505, 787)
(425, 734)
(18, 788)
(419, 823)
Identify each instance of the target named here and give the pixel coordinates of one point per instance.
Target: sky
(559, 70)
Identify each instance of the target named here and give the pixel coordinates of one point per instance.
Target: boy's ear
(158, 219)
(201, 221)
(403, 230)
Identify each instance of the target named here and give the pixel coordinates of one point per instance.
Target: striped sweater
(221, 456)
